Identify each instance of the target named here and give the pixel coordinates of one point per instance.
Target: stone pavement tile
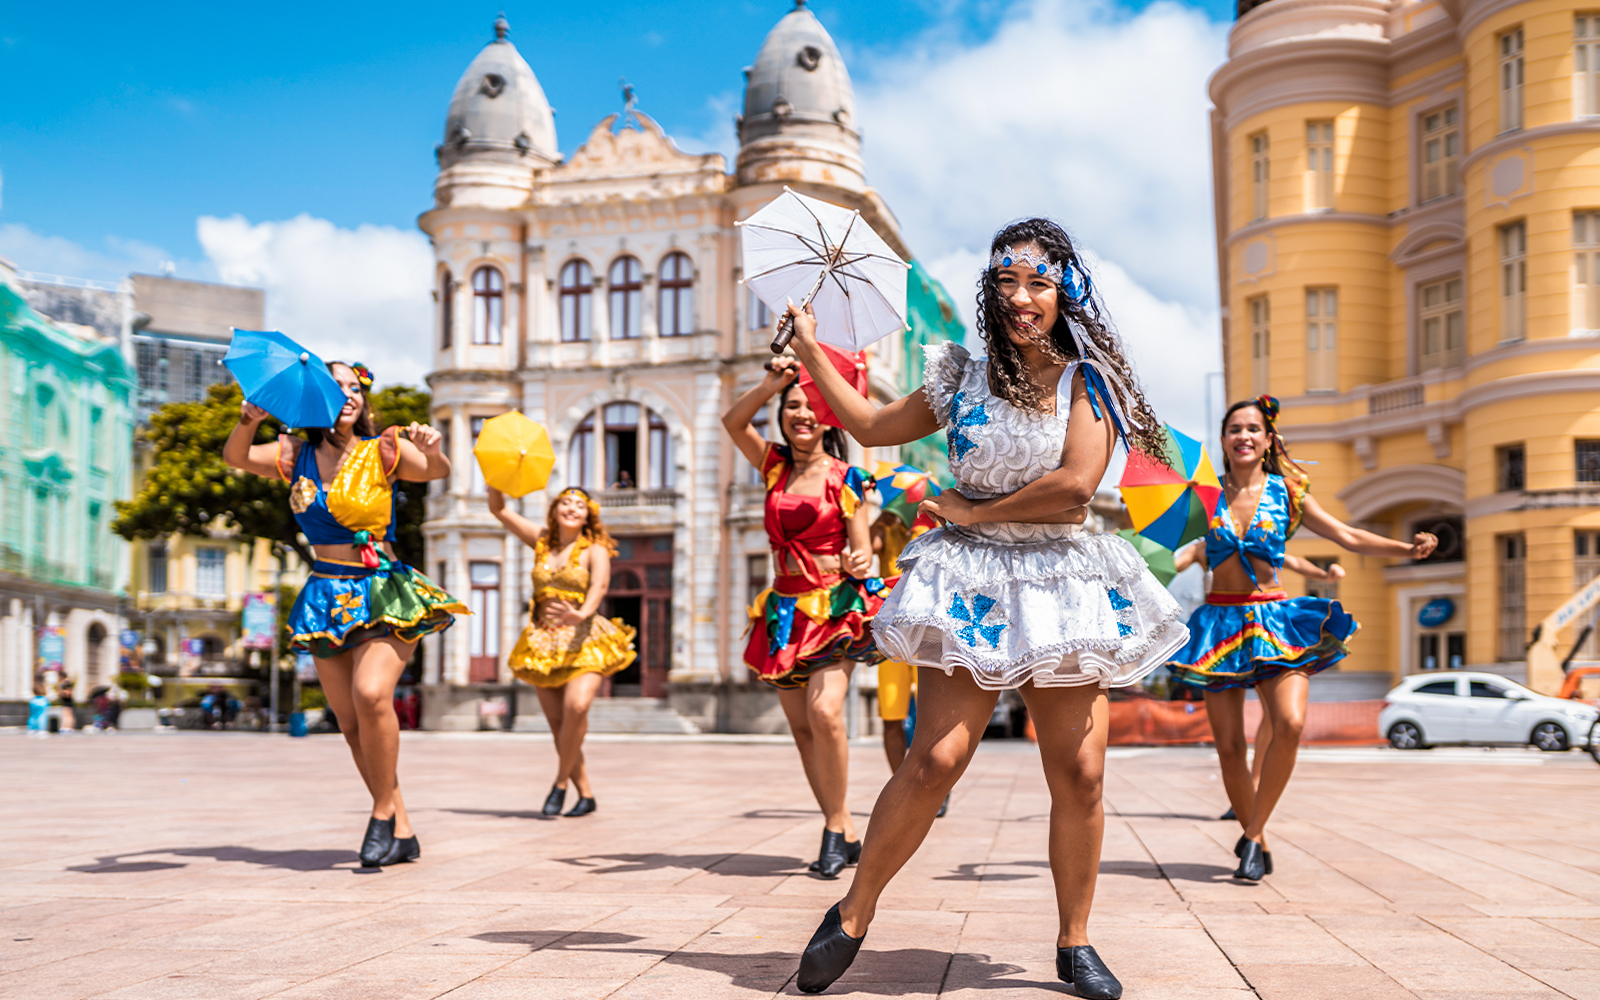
(108, 969)
(537, 989)
(1574, 880)
(1582, 928)
(1523, 943)
(1266, 939)
(1390, 942)
(862, 991)
(1435, 982)
(396, 977)
(201, 986)
(86, 936)
(1386, 877)
(1277, 981)
(1196, 865)
(1485, 881)
(514, 931)
(259, 926)
(1578, 983)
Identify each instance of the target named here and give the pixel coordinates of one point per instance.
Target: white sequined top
(995, 447)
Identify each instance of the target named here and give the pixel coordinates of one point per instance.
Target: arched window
(577, 288)
(634, 443)
(622, 445)
(447, 310)
(580, 454)
(626, 282)
(677, 296)
(488, 305)
(659, 475)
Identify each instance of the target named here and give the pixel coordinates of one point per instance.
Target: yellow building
(1408, 225)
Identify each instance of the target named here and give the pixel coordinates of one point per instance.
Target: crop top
(360, 498)
(1277, 517)
(567, 583)
(803, 527)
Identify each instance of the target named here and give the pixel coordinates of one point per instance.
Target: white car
(1463, 707)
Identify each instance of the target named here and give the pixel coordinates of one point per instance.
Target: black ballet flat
(1266, 856)
(404, 849)
(1081, 968)
(554, 801)
(583, 807)
(378, 842)
(1229, 814)
(1252, 863)
(834, 856)
(944, 807)
(829, 954)
(852, 855)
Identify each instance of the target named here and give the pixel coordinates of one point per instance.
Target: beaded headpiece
(1028, 257)
(575, 491)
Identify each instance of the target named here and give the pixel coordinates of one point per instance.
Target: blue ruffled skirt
(1241, 645)
(343, 605)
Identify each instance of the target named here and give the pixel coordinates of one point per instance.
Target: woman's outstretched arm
(1359, 539)
(744, 409)
(907, 419)
(514, 522)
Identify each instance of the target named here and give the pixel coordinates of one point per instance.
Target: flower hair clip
(363, 374)
(1029, 258)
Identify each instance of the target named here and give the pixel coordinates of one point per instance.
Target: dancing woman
(1011, 592)
(568, 648)
(361, 613)
(809, 627)
(1250, 633)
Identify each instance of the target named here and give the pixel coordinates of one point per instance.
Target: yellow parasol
(514, 454)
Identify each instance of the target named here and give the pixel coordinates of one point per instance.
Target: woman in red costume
(814, 621)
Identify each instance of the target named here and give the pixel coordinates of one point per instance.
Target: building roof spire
(502, 27)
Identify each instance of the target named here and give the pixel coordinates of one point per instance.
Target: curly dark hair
(1009, 378)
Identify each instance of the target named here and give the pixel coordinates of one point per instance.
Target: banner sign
(259, 619)
(52, 647)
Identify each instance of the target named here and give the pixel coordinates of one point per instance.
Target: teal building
(66, 438)
(931, 318)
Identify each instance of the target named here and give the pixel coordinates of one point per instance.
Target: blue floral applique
(975, 416)
(981, 606)
(1124, 608)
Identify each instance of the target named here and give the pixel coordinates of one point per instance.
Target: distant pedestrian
(568, 647)
(69, 715)
(39, 710)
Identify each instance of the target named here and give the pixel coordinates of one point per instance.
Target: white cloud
(358, 294)
(44, 254)
(1081, 111)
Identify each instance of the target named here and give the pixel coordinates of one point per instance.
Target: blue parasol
(284, 379)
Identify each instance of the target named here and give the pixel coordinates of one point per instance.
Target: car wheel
(1594, 741)
(1405, 736)
(1551, 737)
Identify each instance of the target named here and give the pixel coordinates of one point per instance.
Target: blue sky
(129, 121)
(291, 145)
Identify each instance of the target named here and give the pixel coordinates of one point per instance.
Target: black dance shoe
(1081, 968)
(828, 954)
(554, 801)
(404, 849)
(852, 855)
(1252, 862)
(1229, 814)
(944, 807)
(378, 842)
(583, 807)
(1266, 856)
(834, 855)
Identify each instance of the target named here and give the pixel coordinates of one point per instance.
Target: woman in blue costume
(1250, 633)
(361, 613)
(1011, 592)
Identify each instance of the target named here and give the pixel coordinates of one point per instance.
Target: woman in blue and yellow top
(1250, 633)
(361, 613)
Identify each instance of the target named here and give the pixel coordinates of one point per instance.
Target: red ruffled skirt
(797, 627)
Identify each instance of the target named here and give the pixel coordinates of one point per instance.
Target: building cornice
(1271, 223)
(1506, 503)
(1475, 13)
(1376, 492)
(1513, 387)
(1506, 352)
(1523, 136)
(1292, 72)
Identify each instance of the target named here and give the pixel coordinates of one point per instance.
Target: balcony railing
(638, 498)
(1405, 396)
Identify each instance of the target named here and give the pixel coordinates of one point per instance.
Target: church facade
(599, 294)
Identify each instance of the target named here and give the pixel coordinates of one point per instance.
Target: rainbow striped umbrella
(902, 487)
(1171, 498)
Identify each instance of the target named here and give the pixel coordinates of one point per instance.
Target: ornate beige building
(600, 295)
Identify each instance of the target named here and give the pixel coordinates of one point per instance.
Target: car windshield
(1437, 687)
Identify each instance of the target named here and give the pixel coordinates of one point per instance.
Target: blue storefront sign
(1436, 612)
(52, 647)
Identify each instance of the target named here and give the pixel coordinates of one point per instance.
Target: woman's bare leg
(952, 713)
(1225, 712)
(1283, 699)
(376, 668)
(1258, 752)
(552, 701)
(577, 695)
(1072, 724)
(826, 692)
(335, 674)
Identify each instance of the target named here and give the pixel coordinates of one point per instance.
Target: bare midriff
(1230, 577)
(347, 553)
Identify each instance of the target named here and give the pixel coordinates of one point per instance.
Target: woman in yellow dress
(567, 648)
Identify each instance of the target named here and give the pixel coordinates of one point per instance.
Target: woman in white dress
(1011, 592)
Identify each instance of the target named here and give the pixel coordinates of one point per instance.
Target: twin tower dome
(798, 107)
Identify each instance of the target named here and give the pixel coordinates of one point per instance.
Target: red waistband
(1252, 597)
(795, 584)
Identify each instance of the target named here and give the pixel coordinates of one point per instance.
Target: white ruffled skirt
(1012, 603)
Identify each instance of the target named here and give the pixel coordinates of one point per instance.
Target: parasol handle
(786, 325)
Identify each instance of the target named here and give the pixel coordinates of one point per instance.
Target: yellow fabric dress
(550, 657)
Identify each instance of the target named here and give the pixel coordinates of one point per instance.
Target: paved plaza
(222, 866)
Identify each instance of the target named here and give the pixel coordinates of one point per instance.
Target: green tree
(401, 406)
